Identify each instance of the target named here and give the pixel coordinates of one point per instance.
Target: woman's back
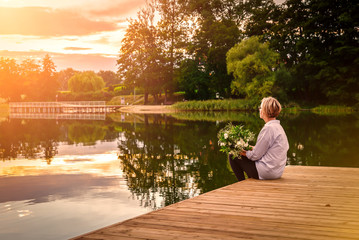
(270, 152)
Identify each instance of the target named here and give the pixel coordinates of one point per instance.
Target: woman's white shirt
(270, 151)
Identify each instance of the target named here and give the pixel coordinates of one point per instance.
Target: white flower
(222, 144)
(225, 135)
(246, 145)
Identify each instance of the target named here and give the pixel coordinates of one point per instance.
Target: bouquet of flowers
(234, 139)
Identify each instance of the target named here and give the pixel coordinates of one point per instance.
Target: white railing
(58, 104)
(67, 116)
(92, 110)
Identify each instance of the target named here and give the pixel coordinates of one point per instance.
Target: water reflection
(53, 170)
(172, 159)
(317, 140)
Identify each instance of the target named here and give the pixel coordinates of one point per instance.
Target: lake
(61, 178)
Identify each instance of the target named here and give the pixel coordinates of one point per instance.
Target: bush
(86, 82)
(87, 96)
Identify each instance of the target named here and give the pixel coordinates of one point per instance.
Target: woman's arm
(262, 145)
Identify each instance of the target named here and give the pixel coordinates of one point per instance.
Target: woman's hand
(243, 153)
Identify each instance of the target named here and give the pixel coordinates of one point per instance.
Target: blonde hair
(271, 107)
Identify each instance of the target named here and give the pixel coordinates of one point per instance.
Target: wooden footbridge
(92, 110)
(306, 203)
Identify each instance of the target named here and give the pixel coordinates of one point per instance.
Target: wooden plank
(222, 219)
(307, 203)
(246, 230)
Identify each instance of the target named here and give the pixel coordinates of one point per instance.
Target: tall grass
(217, 105)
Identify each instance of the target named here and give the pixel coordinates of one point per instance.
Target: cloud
(48, 22)
(81, 62)
(120, 9)
(94, 62)
(40, 188)
(77, 160)
(76, 48)
(103, 40)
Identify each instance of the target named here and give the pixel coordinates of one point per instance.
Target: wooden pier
(306, 203)
(80, 110)
(59, 107)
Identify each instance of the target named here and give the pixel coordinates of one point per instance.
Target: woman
(268, 157)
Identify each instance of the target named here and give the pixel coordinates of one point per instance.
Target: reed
(217, 105)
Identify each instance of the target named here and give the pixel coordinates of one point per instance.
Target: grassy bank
(217, 105)
(250, 105)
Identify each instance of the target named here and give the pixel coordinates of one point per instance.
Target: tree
(194, 81)
(261, 17)
(10, 82)
(141, 61)
(47, 86)
(86, 82)
(252, 63)
(109, 77)
(216, 32)
(63, 77)
(333, 50)
(30, 79)
(318, 42)
(173, 30)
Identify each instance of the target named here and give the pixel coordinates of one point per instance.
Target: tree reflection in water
(172, 160)
(166, 160)
(34, 139)
(29, 139)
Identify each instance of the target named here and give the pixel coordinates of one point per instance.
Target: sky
(81, 34)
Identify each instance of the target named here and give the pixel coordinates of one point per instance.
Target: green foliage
(318, 41)
(141, 62)
(109, 77)
(193, 81)
(233, 139)
(87, 134)
(28, 80)
(217, 105)
(85, 96)
(119, 89)
(283, 80)
(63, 77)
(85, 82)
(217, 33)
(313, 57)
(173, 30)
(10, 79)
(47, 85)
(252, 64)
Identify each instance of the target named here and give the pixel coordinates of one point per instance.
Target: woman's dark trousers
(243, 164)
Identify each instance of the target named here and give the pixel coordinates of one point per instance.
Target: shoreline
(148, 109)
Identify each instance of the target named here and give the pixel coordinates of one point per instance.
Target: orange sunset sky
(82, 34)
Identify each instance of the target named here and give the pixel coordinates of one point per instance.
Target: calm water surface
(62, 178)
